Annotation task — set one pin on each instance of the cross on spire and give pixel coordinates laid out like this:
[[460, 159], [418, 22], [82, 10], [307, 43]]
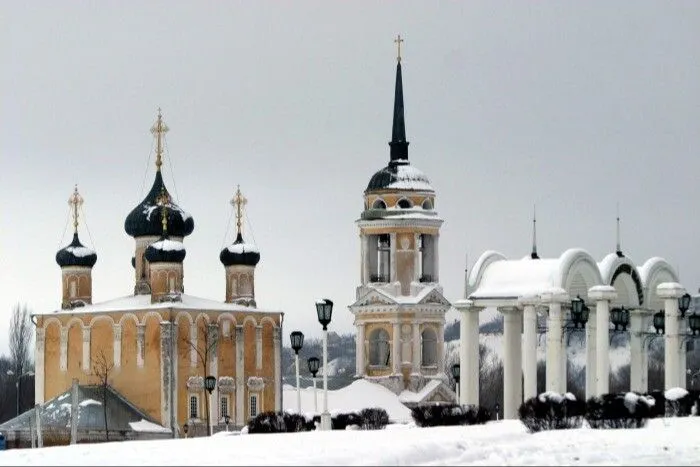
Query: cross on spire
[[398, 42], [159, 129], [163, 200], [239, 201], [75, 201]]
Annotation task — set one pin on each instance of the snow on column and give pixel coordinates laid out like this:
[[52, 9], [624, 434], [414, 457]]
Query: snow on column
[[529, 347], [512, 362], [396, 349], [240, 379], [638, 370], [591, 336], [39, 366], [360, 351], [556, 352], [670, 292], [602, 294]]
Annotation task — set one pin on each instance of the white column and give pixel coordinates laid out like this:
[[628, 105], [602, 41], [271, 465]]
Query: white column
[[39, 366], [86, 348], [416, 348], [392, 257], [360, 351], [669, 292], [365, 258], [63, 357], [591, 343], [140, 335], [416, 258], [117, 345], [436, 255], [555, 348], [258, 347], [468, 352], [529, 350], [441, 348], [602, 294], [396, 349], [165, 376], [276, 333], [637, 369], [682, 356], [512, 363], [240, 377]]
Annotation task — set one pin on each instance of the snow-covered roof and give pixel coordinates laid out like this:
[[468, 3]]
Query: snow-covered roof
[[243, 248], [168, 245], [399, 176], [143, 302], [516, 278], [410, 397]]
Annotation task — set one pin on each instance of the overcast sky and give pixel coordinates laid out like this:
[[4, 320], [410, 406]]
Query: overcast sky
[[572, 106]]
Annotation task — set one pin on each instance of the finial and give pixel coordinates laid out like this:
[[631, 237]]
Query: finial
[[534, 255], [163, 200], [618, 249], [398, 42], [159, 129], [75, 201], [238, 202]]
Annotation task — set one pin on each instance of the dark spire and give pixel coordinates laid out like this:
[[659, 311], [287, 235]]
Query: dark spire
[[534, 254], [618, 249], [398, 144]]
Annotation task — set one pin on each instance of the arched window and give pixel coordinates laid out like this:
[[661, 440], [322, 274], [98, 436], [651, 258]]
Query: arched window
[[428, 348], [379, 348], [379, 204], [427, 204], [404, 204]]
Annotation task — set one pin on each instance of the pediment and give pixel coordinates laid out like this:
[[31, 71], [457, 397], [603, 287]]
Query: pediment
[[374, 298], [435, 297]]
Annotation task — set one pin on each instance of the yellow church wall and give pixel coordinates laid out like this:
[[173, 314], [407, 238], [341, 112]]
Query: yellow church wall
[[53, 377], [249, 368], [75, 354], [184, 369], [101, 346], [151, 384], [268, 369]]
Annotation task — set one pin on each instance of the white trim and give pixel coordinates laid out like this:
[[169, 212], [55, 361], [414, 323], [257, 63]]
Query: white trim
[[39, 353], [226, 397], [86, 349], [258, 405], [117, 345], [258, 347]]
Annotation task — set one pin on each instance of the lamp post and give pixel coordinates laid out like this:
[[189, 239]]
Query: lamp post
[[313, 369], [209, 385], [297, 338], [455, 375], [17, 380], [186, 428], [227, 419], [684, 304], [324, 311]]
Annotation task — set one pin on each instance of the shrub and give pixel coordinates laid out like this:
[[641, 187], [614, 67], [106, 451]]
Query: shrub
[[621, 410], [343, 420], [295, 422], [374, 418], [681, 402], [426, 415], [552, 411], [267, 422]]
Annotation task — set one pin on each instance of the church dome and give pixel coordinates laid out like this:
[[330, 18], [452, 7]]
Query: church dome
[[76, 254], [399, 176], [165, 251], [142, 221], [240, 253]]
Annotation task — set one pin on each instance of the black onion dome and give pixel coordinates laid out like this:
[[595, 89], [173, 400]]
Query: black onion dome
[[240, 253], [76, 254], [401, 176], [144, 219], [165, 251]]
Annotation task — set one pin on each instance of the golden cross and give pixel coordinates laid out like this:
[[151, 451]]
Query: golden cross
[[398, 42], [163, 200], [75, 201], [239, 201], [159, 129]]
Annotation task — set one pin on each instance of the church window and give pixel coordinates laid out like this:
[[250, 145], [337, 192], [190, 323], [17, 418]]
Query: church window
[[379, 204], [427, 204], [194, 406], [73, 289], [428, 348], [404, 204], [379, 348], [172, 284], [384, 257], [253, 405], [224, 404]]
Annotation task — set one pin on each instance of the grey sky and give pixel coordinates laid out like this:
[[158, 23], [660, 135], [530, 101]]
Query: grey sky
[[574, 106]]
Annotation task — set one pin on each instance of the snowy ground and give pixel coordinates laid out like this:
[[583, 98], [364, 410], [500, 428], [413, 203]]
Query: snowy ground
[[498, 443]]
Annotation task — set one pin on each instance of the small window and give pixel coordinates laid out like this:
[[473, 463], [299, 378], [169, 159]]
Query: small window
[[253, 405], [73, 289], [427, 204], [194, 406], [223, 407], [404, 203], [428, 347], [172, 284], [379, 204], [379, 353]]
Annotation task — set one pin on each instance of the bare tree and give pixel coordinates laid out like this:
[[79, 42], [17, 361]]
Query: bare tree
[[102, 369], [204, 346], [20, 339]]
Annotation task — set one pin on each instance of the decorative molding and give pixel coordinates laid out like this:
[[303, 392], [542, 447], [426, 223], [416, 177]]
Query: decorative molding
[[195, 383], [256, 383], [227, 385]]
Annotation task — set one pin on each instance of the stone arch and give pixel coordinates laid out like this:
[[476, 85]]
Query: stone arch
[[621, 273], [101, 317], [150, 314], [248, 319], [379, 203], [101, 343], [477, 272], [653, 272], [75, 320], [267, 319], [578, 272], [127, 316], [49, 321], [379, 343], [184, 314]]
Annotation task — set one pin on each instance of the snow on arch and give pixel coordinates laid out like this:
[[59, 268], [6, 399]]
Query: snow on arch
[[578, 272], [477, 272], [653, 272], [149, 314], [226, 315], [267, 319], [74, 320], [101, 317], [49, 321], [186, 315], [250, 318], [126, 316], [612, 266]]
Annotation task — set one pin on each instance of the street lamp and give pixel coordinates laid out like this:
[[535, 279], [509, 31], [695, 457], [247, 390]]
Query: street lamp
[[313, 369], [694, 324], [17, 380], [209, 385], [227, 419], [455, 375], [579, 312], [186, 428], [684, 303], [324, 310], [297, 338], [620, 318], [660, 322]]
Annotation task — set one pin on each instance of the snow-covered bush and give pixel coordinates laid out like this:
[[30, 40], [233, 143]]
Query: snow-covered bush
[[448, 415], [375, 418], [552, 411], [680, 402], [279, 422], [621, 410]]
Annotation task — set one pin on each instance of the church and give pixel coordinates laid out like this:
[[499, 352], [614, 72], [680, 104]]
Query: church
[[400, 308], [159, 344]]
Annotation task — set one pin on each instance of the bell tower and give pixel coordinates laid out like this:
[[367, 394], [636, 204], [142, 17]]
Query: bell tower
[[399, 309]]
